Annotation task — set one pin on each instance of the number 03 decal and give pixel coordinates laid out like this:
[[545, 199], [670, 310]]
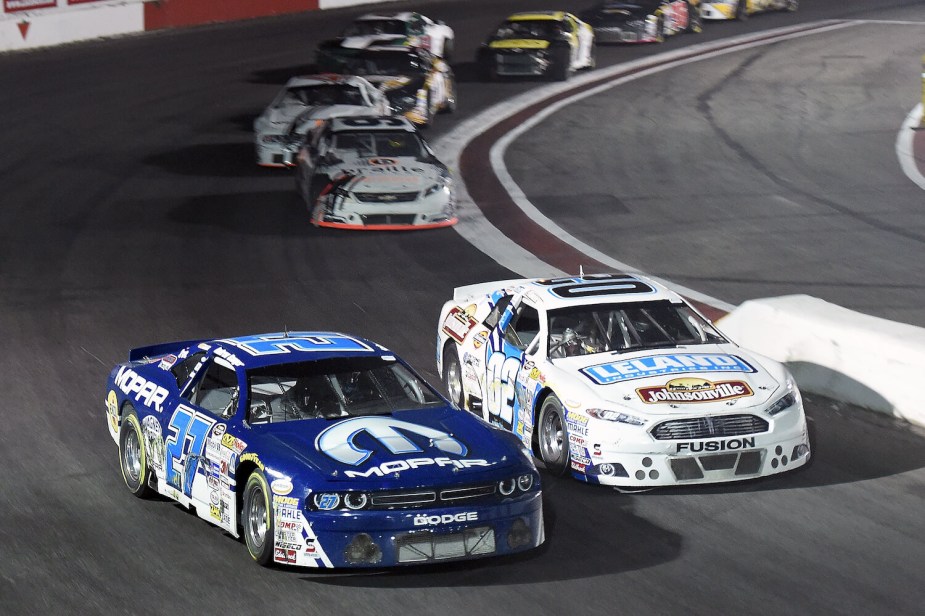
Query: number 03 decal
[[502, 375]]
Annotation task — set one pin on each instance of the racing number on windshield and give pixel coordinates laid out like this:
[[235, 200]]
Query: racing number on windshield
[[502, 376], [184, 447], [372, 122]]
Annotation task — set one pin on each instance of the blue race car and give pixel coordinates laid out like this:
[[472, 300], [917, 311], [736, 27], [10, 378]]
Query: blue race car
[[322, 450]]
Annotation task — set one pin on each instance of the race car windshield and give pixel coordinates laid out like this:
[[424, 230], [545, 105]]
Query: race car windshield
[[378, 143], [539, 29], [604, 328], [334, 388], [371, 27], [326, 94]]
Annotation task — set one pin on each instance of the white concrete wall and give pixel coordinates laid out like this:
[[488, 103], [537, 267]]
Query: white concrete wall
[[67, 24], [857, 358]]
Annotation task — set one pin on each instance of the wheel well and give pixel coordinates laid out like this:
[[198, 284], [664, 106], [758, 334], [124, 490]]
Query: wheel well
[[537, 405], [241, 475], [448, 347]]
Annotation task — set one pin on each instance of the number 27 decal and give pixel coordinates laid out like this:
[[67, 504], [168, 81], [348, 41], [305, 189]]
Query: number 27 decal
[[188, 430]]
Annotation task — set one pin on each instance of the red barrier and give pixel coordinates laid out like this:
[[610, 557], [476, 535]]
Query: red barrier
[[174, 13]]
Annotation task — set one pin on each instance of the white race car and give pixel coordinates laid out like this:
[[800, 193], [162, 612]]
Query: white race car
[[374, 173], [618, 380], [741, 9], [405, 28], [305, 102]]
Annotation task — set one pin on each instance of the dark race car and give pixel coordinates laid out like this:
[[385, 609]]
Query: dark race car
[[321, 450], [553, 44], [417, 83], [643, 21]]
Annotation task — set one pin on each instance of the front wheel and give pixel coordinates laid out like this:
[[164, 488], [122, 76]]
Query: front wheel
[[257, 519], [793, 5], [561, 68], [742, 10], [694, 19], [452, 376], [132, 456], [553, 436]]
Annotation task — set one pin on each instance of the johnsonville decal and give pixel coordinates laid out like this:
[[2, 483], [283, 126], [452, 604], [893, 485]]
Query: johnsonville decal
[[691, 390]]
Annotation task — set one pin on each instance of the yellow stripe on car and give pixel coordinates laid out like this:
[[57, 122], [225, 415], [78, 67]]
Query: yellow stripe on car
[[519, 44]]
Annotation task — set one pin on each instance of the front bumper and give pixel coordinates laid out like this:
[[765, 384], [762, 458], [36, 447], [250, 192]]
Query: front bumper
[[647, 463], [339, 212], [411, 537], [625, 34], [519, 63]]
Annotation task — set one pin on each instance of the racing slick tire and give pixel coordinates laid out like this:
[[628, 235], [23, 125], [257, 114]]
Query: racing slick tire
[[447, 50], [132, 457], [660, 30], [742, 10], [562, 65], [552, 436], [694, 19], [257, 522], [452, 376]]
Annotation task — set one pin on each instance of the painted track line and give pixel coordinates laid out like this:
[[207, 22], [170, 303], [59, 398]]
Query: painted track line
[[495, 215]]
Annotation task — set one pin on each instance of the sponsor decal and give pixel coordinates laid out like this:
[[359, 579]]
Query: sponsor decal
[[112, 410], [658, 365], [731, 444], [282, 555], [233, 443], [218, 429], [154, 442], [382, 161], [167, 362], [596, 450], [447, 518], [339, 441], [252, 457], [146, 392], [289, 525], [577, 418], [215, 512], [398, 466], [285, 501], [288, 513], [458, 324], [576, 439], [281, 486], [479, 339], [692, 390]]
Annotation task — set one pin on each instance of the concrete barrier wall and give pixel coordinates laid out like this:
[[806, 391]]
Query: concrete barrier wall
[[28, 24], [857, 358]]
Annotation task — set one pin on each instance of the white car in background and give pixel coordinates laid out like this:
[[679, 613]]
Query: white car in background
[[406, 28], [742, 9], [619, 381], [374, 173], [304, 103]]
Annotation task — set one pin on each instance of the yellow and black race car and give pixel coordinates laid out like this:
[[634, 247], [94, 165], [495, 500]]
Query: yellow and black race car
[[741, 9], [540, 43]]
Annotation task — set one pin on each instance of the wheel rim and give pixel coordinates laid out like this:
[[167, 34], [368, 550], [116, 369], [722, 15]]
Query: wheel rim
[[131, 456], [454, 382], [551, 438], [256, 519]]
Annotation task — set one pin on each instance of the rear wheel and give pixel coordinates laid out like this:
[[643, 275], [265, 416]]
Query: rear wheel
[[562, 65], [452, 376], [553, 436], [742, 10], [694, 19], [132, 456], [660, 30], [257, 518], [447, 50]]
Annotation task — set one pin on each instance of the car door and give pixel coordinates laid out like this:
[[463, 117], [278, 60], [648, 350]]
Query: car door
[[197, 437]]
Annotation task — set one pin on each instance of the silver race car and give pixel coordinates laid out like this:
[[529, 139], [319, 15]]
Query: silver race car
[[304, 103], [374, 173]]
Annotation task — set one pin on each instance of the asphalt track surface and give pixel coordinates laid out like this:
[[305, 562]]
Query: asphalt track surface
[[133, 214]]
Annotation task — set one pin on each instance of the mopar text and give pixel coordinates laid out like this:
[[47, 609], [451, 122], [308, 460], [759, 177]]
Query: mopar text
[[397, 466], [148, 393]]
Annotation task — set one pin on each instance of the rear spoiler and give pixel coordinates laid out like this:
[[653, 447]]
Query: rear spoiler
[[486, 288], [156, 350]]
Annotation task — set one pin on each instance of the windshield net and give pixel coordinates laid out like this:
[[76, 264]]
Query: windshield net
[[378, 143], [333, 388], [327, 94], [602, 328]]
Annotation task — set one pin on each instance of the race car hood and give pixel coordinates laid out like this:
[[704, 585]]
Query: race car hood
[[702, 378], [519, 44], [281, 118], [404, 449], [383, 174]]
